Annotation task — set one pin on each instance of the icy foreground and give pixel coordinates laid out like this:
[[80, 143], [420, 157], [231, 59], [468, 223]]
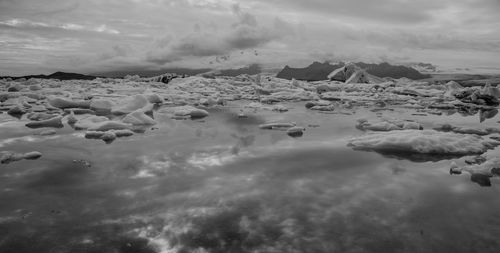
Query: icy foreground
[[246, 164], [112, 108]]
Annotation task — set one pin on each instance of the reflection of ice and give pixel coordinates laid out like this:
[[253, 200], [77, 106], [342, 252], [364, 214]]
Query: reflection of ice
[[330, 204], [8, 122], [209, 159], [38, 139], [151, 168], [143, 174], [180, 164], [9, 141], [7, 219], [272, 213]]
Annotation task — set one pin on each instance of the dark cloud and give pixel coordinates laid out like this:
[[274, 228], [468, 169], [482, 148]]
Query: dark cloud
[[116, 51], [248, 37], [209, 44]]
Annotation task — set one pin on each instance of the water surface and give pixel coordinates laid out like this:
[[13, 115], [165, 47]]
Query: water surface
[[221, 184]]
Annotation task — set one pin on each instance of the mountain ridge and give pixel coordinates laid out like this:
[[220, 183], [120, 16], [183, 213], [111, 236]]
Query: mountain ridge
[[319, 71], [59, 75]]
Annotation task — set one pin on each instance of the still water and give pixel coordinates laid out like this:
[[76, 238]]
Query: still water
[[221, 184]]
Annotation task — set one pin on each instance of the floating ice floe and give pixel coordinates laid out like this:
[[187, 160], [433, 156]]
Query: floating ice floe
[[461, 130], [295, 131], [71, 119], [129, 104], [485, 97], [428, 142], [89, 121], [280, 108], [52, 122], [8, 156], [109, 125], [277, 126], [154, 98], [387, 125], [101, 106], [467, 130], [108, 136], [480, 172], [40, 116], [63, 103], [291, 128], [320, 105], [491, 91], [184, 112], [138, 117]]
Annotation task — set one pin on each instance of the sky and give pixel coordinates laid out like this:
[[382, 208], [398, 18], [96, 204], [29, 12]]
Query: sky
[[91, 36]]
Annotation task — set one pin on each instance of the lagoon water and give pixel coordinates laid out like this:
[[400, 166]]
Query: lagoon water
[[221, 184]]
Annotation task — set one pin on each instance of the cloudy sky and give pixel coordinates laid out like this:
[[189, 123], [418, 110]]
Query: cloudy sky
[[43, 36]]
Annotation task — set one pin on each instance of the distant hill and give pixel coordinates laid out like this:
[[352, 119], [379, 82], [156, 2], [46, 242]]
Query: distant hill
[[319, 71], [70, 76], [251, 70], [152, 73], [56, 75]]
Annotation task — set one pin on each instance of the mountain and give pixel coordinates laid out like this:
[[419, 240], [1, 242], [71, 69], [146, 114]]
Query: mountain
[[56, 75], [252, 69], [319, 71], [387, 70], [315, 72], [70, 76]]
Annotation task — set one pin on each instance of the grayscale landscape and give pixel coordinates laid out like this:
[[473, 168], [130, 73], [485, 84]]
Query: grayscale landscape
[[211, 126]]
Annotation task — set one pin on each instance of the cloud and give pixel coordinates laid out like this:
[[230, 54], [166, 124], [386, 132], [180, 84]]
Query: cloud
[[400, 39], [190, 33], [245, 33], [386, 11], [244, 18]]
